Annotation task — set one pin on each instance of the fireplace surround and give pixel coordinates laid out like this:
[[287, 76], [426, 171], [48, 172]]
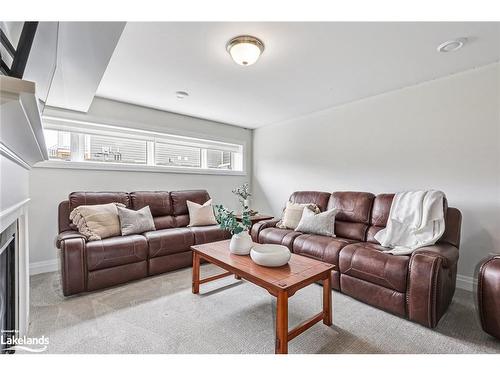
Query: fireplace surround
[[8, 282]]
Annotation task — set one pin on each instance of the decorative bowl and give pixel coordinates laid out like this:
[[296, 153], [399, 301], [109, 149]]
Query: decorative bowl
[[269, 255]]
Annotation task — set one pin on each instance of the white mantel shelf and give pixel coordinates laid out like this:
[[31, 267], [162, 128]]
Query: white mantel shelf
[[21, 131]]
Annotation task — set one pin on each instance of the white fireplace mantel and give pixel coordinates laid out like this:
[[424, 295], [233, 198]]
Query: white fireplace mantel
[[21, 135], [22, 145]]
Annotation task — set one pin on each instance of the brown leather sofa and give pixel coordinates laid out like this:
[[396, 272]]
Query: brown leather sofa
[[418, 287], [488, 295], [88, 266]]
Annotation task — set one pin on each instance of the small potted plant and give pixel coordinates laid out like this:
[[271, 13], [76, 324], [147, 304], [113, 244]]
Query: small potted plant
[[243, 194], [241, 242]]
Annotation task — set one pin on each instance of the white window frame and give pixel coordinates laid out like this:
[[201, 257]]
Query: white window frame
[[78, 129]]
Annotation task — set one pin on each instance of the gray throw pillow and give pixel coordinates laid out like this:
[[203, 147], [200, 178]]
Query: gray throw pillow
[[135, 222], [322, 223]]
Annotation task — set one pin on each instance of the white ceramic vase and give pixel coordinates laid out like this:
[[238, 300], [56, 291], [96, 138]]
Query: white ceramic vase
[[241, 243]]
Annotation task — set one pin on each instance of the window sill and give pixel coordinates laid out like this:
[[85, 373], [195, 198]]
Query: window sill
[[133, 168]]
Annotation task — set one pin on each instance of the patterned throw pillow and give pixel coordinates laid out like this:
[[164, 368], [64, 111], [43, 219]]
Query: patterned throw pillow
[[293, 214], [322, 223], [135, 222], [200, 215], [97, 221]]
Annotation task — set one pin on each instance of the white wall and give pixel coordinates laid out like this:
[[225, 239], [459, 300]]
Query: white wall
[[442, 134], [49, 186], [14, 183]]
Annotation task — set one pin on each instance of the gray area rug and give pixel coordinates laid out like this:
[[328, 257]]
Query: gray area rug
[[161, 315]]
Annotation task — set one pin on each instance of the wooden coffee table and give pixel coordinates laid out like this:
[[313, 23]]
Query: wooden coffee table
[[282, 282]]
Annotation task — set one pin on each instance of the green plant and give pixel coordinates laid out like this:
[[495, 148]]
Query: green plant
[[242, 192], [227, 219]]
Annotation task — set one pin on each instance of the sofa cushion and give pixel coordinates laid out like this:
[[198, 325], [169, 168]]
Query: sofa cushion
[[116, 251], [169, 241], [293, 214], [380, 214], [353, 218], [322, 223], [319, 247], [135, 222], [278, 236], [97, 221], [201, 214], [209, 233], [320, 198], [158, 201], [368, 262], [87, 198], [179, 199]]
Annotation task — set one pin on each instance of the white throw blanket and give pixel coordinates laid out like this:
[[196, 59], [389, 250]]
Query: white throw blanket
[[416, 219]]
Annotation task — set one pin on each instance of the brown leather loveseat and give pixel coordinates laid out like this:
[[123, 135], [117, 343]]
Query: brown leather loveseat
[[419, 287], [88, 266]]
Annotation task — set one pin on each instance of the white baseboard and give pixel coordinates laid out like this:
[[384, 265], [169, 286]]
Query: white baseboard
[[466, 283], [44, 266]]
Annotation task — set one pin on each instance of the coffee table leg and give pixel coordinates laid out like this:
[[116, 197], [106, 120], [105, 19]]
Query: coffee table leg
[[282, 323], [196, 273], [327, 300]]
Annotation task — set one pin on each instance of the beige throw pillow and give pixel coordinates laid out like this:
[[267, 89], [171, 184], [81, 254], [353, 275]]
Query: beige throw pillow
[[322, 223], [293, 214], [200, 215], [97, 221]]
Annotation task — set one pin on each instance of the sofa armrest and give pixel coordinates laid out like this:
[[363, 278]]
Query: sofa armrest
[[431, 283], [66, 235], [257, 227], [73, 266], [448, 253]]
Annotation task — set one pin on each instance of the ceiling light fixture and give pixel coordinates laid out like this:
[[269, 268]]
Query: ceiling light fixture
[[245, 49], [181, 94], [452, 45]]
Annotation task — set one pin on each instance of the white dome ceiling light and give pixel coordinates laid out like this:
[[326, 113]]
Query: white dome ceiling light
[[181, 94], [452, 45], [245, 49]]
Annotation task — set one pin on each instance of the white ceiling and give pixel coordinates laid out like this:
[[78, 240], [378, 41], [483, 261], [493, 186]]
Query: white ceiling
[[305, 67]]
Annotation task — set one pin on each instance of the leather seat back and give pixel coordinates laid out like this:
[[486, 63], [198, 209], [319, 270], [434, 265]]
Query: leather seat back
[[353, 219], [319, 198], [179, 205], [159, 203], [81, 198], [380, 214]]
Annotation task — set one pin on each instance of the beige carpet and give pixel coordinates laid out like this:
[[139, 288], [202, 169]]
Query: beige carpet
[[161, 315]]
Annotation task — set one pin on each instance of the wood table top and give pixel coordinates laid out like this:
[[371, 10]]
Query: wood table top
[[256, 217], [299, 272]]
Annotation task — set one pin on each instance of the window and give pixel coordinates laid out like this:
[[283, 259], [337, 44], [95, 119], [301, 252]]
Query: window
[[58, 144], [219, 159], [175, 155], [116, 150], [85, 144]]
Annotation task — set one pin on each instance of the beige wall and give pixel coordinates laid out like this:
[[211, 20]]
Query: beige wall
[[442, 134], [49, 186]]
